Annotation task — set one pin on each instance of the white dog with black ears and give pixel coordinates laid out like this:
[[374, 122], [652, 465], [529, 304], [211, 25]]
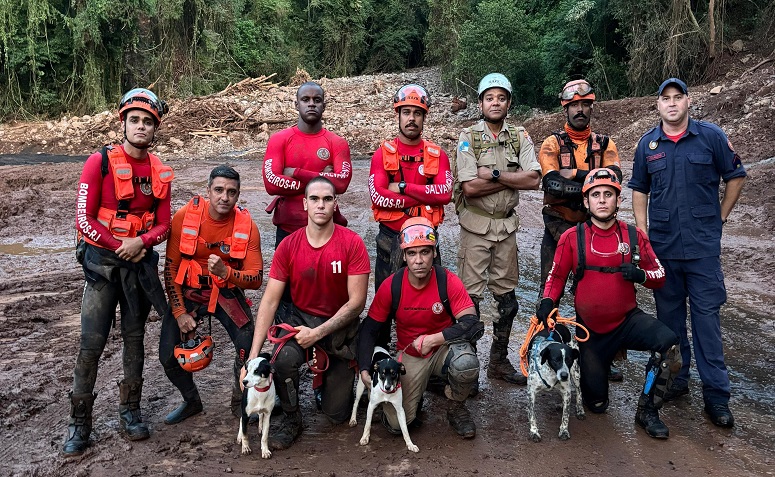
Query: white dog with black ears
[[385, 387], [257, 398]]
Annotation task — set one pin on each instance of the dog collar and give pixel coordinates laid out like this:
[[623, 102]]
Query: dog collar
[[394, 389], [265, 388]]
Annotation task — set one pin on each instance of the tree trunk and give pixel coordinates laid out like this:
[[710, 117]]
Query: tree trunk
[[712, 28]]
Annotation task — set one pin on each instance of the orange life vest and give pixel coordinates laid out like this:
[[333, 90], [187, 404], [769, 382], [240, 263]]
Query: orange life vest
[[190, 273], [120, 222], [391, 162]]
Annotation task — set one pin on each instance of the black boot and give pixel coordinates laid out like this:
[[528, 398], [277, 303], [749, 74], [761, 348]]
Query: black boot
[[191, 405], [647, 417], [132, 425], [79, 426], [500, 367], [460, 419], [290, 429]]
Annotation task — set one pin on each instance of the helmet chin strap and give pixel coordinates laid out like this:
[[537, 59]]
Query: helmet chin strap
[[606, 219]]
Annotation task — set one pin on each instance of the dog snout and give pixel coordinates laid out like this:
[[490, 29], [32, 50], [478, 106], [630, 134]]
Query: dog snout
[[245, 382], [563, 376]]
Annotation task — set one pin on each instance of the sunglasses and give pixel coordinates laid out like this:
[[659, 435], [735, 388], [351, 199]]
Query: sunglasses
[[581, 89]]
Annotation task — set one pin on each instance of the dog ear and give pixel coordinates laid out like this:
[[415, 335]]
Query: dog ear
[[575, 353], [266, 356], [403, 368], [544, 355]]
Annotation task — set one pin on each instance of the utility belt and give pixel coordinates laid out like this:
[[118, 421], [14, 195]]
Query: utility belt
[[483, 213], [231, 300]]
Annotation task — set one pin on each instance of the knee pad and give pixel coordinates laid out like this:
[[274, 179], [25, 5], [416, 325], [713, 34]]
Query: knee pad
[[463, 367], [661, 370], [508, 307]]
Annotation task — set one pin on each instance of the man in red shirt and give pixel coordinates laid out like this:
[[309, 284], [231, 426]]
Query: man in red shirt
[[122, 211], [296, 155], [435, 330], [213, 253], [409, 177], [326, 266], [612, 262]]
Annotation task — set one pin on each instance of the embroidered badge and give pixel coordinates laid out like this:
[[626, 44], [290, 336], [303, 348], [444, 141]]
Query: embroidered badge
[[323, 153], [653, 145], [421, 169], [464, 146], [225, 248], [729, 143], [624, 249], [437, 308], [656, 156], [527, 136], [146, 188]]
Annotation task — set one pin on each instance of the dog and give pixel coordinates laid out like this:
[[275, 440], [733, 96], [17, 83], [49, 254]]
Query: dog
[[258, 397], [553, 364], [385, 387]]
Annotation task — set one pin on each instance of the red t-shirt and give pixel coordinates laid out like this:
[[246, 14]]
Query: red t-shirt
[[95, 191], [418, 192], [602, 299], [420, 311], [318, 276], [309, 154]]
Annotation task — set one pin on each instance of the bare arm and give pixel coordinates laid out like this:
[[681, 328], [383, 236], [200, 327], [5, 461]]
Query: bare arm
[[640, 202], [731, 194]]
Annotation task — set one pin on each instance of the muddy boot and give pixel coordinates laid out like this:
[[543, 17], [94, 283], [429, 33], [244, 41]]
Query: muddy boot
[[79, 426], [460, 419], [191, 405], [647, 417], [288, 432], [500, 367], [132, 426], [615, 374]]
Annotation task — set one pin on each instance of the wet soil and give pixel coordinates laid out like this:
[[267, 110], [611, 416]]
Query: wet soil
[[40, 287]]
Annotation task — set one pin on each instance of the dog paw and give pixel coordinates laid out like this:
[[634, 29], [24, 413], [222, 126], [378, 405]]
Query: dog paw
[[581, 416], [246, 449], [536, 437], [364, 441], [413, 448], [353, 422], [266, 453], [564, 435]]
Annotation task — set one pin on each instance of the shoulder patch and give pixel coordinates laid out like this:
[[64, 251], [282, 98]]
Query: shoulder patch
[[729, 143], [527, 137], [464, 146]]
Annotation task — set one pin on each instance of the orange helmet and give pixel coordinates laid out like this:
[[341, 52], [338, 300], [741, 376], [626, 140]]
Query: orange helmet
[[417, 232], [141, 98], [601, 177], [195, 354], [576, 90], [412, 95]]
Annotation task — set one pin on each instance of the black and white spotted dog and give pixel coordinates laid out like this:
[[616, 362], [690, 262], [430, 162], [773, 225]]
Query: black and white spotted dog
[[257, 398], [553, 364], [385, 387]]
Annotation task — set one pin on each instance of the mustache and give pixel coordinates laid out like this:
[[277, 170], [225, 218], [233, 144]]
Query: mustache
[[580, 115]]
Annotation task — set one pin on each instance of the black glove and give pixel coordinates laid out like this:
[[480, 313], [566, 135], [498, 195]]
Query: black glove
[[544, 310], [633, 274]]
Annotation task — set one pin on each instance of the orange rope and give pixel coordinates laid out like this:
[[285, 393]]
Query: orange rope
[[536, 326]]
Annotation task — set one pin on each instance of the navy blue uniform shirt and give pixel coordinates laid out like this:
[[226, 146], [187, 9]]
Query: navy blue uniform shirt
[[683, 179]]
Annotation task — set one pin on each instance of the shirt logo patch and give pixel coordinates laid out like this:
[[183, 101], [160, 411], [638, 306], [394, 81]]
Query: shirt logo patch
[[225, 248], [146, 188], [421, 169], [653, 145], [323, 154], [655, 157], [464, 146], [437, 308]]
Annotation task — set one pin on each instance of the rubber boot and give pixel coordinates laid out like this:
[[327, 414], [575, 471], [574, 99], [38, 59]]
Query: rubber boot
[[647, 417], [132, 426], [460, 419], [289, 430], [191, 406], [79, 425], [500, 367]]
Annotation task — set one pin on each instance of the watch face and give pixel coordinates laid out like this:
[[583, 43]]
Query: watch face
[[496, 173]]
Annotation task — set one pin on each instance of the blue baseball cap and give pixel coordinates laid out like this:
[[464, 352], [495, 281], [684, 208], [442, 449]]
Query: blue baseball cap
[[673, 81]]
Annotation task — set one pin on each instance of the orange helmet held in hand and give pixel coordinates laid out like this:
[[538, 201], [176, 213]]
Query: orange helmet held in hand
[[195, 354], [601, 177], [412, 95], [417, 232], [576, 90]]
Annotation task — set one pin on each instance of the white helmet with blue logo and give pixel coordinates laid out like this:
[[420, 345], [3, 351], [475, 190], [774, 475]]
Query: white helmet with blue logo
[[494, 80]]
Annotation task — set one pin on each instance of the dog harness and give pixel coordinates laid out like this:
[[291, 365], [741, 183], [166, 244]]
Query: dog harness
[[534, 355]]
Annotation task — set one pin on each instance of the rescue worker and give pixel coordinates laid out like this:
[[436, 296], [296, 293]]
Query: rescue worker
[[675, 175], [123, 210], [604, 253], [436, 328], [495, 160], [296, 155], [213, 254], [327, 268], [566, 157], [409, 177]]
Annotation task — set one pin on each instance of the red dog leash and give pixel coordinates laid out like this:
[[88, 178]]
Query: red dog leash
[[319, 362]]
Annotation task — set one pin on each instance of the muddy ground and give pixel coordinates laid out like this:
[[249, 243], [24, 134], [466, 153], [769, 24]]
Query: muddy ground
[[40, 287]]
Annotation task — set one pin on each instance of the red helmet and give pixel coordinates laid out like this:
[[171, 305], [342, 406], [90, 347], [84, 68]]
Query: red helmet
[[576, 90], [417, 232], [141, 98], [601, 177], [412, 95], [195, 354]]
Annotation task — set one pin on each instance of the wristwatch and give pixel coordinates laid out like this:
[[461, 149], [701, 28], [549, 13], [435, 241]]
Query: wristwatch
[[496, 174], [402, 187]]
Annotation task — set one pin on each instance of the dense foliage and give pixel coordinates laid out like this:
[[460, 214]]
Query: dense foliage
[[79, 55]]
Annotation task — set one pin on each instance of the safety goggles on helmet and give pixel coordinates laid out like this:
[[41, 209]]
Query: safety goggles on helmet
[[195, 354], [601, 177], [417, 232], [412, 95], [141, 98], [577, 90]]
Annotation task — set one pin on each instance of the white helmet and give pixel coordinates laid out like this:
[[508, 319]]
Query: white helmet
[[494, 80]]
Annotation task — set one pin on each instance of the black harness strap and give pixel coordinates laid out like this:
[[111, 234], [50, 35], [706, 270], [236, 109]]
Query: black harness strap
[[578, 274]]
